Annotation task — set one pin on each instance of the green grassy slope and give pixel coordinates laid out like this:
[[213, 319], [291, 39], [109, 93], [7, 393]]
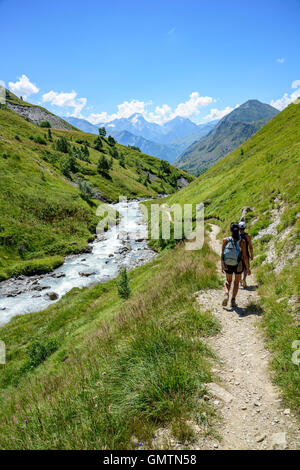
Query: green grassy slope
[[264, 174], [95, 372], [41, 209]]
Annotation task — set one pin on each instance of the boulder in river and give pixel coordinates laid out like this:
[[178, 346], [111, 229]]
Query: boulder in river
[[82, 274], [52, 295], [41, 287], [58, 275], [87, 249]]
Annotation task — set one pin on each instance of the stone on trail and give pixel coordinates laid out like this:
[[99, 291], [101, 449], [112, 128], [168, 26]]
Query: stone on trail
[[278, 441], [219, 392]]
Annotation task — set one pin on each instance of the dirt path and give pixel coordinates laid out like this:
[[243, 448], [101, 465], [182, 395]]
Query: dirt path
[[250, 405]]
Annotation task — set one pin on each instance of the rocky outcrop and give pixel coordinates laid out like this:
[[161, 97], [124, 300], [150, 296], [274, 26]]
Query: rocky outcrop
[[38, 115]]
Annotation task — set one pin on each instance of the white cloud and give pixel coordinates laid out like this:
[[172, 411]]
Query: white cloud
[[160, 115], [217, 113], [193, 105], [285, 100], [280, 60], [125, 110], [296, 84], [69, 100], [23, 87]]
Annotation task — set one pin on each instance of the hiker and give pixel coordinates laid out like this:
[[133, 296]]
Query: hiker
[[245, 236], [233, 261]]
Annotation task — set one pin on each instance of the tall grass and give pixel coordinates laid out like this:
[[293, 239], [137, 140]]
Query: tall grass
[[142, 367]]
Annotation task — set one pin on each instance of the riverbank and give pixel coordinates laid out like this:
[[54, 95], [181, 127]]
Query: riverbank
[[100, 262]]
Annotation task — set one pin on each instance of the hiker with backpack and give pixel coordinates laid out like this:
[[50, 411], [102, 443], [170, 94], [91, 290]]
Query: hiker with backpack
[[233, 261], [249, 247]]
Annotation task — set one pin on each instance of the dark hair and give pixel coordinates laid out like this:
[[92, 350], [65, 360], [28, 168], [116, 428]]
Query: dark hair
[[235, 230]]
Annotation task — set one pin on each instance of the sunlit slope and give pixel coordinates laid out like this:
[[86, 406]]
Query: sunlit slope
[[264, 174], [43, 213]]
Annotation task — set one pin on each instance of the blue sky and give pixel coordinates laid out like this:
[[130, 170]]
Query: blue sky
[[193, 58]]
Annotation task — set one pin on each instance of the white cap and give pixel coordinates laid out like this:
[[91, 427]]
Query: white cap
[[242, 225]]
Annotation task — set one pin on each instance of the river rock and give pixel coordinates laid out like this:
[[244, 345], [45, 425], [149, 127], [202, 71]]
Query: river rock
[[14, 293], [111, 255], [58, 275], [52, 295], [82, 274], [39, 288], [87, 249]]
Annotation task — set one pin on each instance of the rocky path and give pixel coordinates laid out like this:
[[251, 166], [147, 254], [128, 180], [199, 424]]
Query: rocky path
[[253, 416]]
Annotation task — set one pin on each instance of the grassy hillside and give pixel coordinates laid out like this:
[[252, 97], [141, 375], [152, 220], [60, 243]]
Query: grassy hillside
[[231, 131], [264, 175], [95, 372], [44, 214]]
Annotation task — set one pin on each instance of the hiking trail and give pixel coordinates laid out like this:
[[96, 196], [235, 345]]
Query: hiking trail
[[253, 416]]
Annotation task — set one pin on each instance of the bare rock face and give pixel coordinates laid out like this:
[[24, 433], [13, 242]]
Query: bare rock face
[[38, 115], [245, 211], [182, 182]]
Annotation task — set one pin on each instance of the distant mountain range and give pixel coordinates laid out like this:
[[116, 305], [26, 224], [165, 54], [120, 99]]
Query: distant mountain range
[[166, 141], [230, 132]]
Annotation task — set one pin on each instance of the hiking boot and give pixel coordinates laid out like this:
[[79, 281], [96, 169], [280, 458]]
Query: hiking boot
[[225, 300], [244, 284], [233, 303]]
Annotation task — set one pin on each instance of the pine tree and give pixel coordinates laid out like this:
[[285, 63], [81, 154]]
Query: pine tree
[[111, 140], [49, 135], [98, 144], [62, 145], [102, 131], [102, 165], [122, 160], [123, 284]]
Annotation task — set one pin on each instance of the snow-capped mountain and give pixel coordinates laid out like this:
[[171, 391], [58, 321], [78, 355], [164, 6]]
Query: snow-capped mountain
[[162, 134]]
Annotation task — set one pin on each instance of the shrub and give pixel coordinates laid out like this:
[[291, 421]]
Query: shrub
[[39, 140], [98, 144], [45, 124], [38, 351], [123, 284], [122, 160], [62, 145], [111, 140], [86, 189], [102, 165]]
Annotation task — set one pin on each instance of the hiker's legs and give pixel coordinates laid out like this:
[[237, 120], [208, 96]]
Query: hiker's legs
[[235, 289], [228, 283], [227, 289]]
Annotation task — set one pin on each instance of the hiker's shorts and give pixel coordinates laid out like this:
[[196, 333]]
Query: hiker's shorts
[[238, 269]]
